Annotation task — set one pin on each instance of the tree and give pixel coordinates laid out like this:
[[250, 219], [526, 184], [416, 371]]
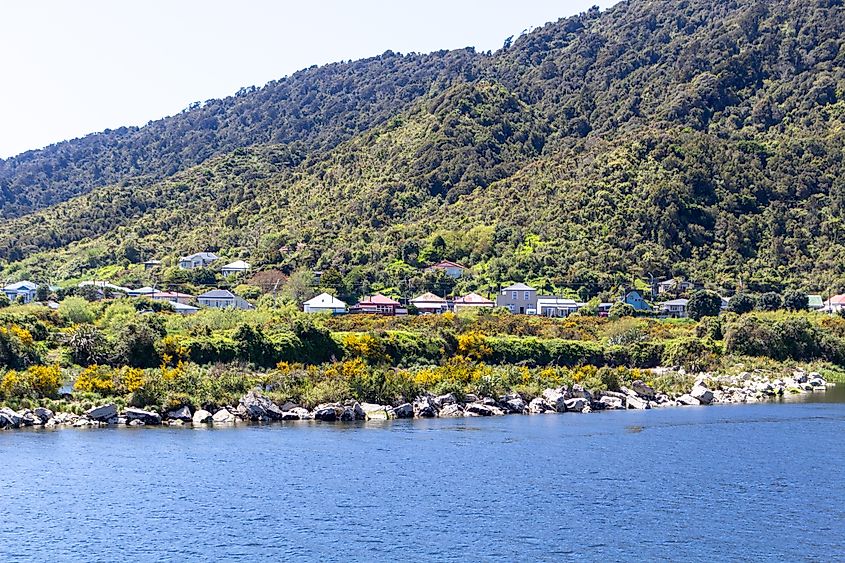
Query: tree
[[87, 345], [621, 309], [137, 346], [769, 301], [42, 293], [741, 303], [76, 310], [704, 303], [300, 287], [794, 300], [4, 301]]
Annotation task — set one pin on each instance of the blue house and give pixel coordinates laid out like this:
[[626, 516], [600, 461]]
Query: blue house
[[23, 289], [635, 300]]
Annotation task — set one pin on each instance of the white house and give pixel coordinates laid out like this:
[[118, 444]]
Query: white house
[[183, 309], [675, 285], [675, 308], [452, 269], [325, 303], [222, 299], [237, 267], [141, 292], [23, 289], [430, 303], [550, 306], [198, 260], [472, 301]]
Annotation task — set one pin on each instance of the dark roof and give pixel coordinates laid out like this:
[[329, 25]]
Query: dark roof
[[217, 294]]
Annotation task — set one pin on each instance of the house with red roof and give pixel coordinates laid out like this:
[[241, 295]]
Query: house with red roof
[[471, 301], [378, 304], [430, 303]]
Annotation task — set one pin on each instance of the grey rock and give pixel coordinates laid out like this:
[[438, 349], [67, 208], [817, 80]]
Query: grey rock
[[703, 394], [404, 410], [256, 406], [102, 413], [576, 404], [643, 390], [9, 418], [452, 410], [634, 402], [359, 411], [328, 412], [470, 398], [376, 412], [202, 416], [301, 412], [539, 405], [43, 413], [183, 413], [424, 407], [611, 402], [136, 422], [515, 405], [223, 416], [148, 417], [688, 400], [556, 398], [442, 400], [578, 391]]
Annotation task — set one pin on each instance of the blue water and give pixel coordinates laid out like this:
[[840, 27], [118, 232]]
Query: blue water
[[756, 482]]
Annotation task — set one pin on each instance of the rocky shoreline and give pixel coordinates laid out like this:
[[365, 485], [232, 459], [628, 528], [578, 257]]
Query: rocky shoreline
[[255, 407]]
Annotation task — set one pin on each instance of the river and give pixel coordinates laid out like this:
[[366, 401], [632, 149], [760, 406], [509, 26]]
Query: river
[[749, 482]]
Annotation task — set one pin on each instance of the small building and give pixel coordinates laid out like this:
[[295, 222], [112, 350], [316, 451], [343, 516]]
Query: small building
[[452, 269], [171, 297], [429, 303], [105, 287], [25, 290], [325, 303], [835, 304], [675, 285], [676, 308], [518, 298], [815, 302], [183, 309], [551, 306], [636, 300], [472, 301], [150, 264], [223, 299], [378, 304], [603, 309], [141, 292], [235, 268], [198, 260]]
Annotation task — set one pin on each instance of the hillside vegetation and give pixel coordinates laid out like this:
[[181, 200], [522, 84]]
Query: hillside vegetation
[[702, 139]]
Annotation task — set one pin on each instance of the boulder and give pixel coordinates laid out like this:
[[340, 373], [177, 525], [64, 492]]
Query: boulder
[[359, 412], [556, 398], [688, 400], [223, 416], [102, 413], [375, 412], [136, 422], [481, 409], [643, 390], [634, 402], [328, 412], [302, 412], [539, 405], [579, 392], [405, 410], [183, 413], [9, 418], [292, 414], [452, 410], [348, 414], [288, 406], [702, 393], [259, 407], [43, 414], [442, 400], [202, 416], [424, 407], [576, 404], [28, 418], [611, 402], [148, 417], [514, 405], [470, 398]]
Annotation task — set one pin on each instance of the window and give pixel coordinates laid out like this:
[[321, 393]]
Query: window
[[526, 296], [514, 295]]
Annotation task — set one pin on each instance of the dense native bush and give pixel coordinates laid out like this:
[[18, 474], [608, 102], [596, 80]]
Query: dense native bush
[[18, 348]]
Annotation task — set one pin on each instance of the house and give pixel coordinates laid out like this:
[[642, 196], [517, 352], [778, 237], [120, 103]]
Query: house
[[430, 303], [635, 300], [518, 298], [235, 268], [378, 304], [222, 299], [675, 286], [141, 292], [104, 285], [603, 309], [725, 302], [325, 303], [551, 306], [452, 269], [171, 296], [676, 308], [835, 303], [183, 309], [150, 264], [815, 302], [472, 301], [23, 290], [198, 260]]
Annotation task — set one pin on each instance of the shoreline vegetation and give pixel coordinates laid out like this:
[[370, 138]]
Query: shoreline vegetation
[[116, 362]]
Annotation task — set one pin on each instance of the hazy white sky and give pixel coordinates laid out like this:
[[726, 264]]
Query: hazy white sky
[[75, 67]]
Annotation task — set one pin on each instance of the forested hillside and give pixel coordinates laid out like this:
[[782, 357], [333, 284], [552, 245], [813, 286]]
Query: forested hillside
[[695, 138]]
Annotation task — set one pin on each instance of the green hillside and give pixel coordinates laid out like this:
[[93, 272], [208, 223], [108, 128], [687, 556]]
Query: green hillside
[[702, 139]]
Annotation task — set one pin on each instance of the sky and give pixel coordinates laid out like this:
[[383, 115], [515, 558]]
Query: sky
[[72, 67]]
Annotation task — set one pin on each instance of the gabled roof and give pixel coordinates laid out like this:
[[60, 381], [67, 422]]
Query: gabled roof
[[378, 299], [448, 264], [28, 285], [237, 265], [518, 287], [838, 299], [557, 301], [142, 291], [181, 307], [325, 300], [681, 302], [217, 294], [815, 301], [170, 295], [473, 299], [428, 297], [206, 256]]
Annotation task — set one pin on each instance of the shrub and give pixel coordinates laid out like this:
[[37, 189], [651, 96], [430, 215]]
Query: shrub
[[86, 345], [620, 309], [76, 310], [795, 301], [704, 303], [17, 347], [769, 301], [137, 345], [741, 303], [37, 382], [692, 354]]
